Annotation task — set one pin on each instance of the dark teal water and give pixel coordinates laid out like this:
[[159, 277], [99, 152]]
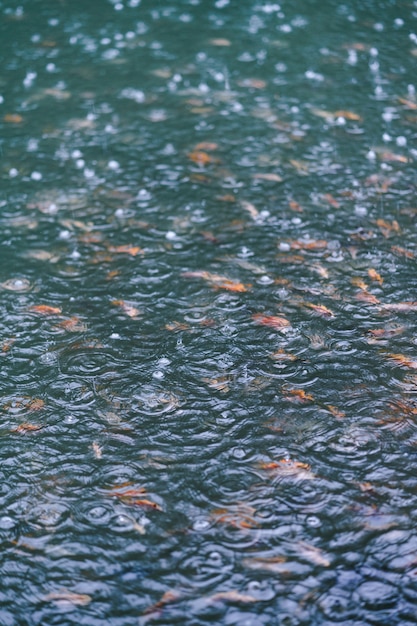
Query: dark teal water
[[208, 303]]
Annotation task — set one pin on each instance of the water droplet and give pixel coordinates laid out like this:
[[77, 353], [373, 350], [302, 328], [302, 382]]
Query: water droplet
[[36, 176]]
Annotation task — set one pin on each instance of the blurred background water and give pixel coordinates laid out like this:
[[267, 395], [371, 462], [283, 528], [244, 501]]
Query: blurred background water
[[208, 349]]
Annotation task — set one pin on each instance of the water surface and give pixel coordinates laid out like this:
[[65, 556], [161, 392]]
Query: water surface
[[208, 313]]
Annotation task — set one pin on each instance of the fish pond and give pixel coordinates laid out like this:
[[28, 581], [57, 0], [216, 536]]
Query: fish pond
[[208, 312]]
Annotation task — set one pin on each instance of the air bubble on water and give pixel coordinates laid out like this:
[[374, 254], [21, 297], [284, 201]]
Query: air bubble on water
[[118, 7], [401, 141], [164, 362], [398, 22], [75, 255], [280, 67], [143, 194], [13, 172], [29, 78], [115, 336], [70, 419], [110, 54], [352, 57], [89, 173], [270, 8], [314, 76], [371, 155], [51, 67], [245, 252], [388, 115], [113, 165], [158, 375], [386, 137], [64, 235], [53, 21], [283, 246], [361, 211], [200, 524], [79, 164], [6, 522], [215, 557], [313, 521], [36, 176], [265, 280], [263, 214], [48, 358], [296, 221], [228, 330], [170, 235], [335, 257], [246, 57]]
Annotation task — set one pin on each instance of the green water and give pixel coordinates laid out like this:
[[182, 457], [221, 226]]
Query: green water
[[208, 303]]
